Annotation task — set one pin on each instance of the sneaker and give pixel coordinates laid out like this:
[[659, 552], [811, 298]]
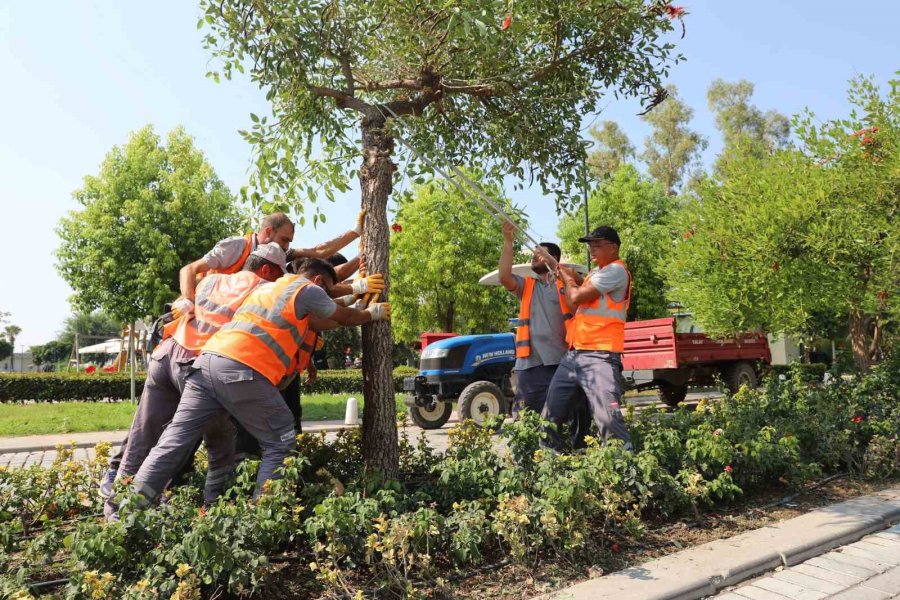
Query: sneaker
[[106, 484]]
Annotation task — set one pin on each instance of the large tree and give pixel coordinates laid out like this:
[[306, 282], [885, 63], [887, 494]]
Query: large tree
[[152, 208], [639, 209], [612, 149], [440, 248], [473, 82], [672, 147], [741, 122], [785, 242]]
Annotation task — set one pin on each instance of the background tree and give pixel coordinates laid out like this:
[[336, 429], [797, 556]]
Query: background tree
[[483, 83], [151, 209], [442, 245], [639, 209], [672, 147], [6, 349], [613, 149], [50, 353], [93, 326], [10, 332], [743, 123], [783, 242]]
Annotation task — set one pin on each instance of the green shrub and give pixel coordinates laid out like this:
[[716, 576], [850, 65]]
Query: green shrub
[[99, 387], [808, 373]]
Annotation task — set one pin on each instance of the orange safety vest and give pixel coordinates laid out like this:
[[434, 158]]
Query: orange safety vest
[[523, 329], [306, 350], [218, 298], [600, 325], [237, 266], [265, 333]]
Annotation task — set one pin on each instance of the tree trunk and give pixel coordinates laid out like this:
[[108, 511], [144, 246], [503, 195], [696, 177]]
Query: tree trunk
[[859, 339], [380, 448], [448, 319]]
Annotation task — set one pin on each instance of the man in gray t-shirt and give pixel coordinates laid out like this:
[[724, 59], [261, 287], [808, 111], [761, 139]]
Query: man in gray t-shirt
[[541, 341]]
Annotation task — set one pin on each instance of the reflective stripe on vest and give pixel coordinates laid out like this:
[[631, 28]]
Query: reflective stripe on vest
[[600, 324], [218, 298], [265, 333], [237, 266], [523, 330]]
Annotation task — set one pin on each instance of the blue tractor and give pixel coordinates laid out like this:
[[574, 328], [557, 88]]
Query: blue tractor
[[474, 371]]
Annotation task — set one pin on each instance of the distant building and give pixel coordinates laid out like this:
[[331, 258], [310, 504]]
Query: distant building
[[19, 362]]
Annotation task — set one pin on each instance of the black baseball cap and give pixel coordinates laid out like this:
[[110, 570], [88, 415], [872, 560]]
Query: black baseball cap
[[604, 232]]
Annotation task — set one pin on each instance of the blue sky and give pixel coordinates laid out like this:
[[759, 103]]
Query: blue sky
[[78, 76]]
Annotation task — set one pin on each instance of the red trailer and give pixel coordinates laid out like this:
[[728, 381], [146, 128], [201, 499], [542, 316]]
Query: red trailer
[[657, 356]]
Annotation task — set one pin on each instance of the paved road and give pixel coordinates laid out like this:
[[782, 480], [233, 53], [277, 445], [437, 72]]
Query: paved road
[[865, 570]]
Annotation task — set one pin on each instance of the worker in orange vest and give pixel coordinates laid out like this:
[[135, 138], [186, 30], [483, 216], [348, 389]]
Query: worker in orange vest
[[228, 255], [596, 340], [541, 328], [241, 366], [218, 298]]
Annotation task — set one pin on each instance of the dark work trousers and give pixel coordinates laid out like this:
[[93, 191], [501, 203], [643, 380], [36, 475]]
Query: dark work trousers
[[598, 375], [215, 387], [169, 363], [247, 444], [532, 386]]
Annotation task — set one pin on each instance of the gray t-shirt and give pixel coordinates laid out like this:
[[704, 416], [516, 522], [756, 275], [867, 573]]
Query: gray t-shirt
[[228, 251], [313, 300], [611, 279], [547, 326]]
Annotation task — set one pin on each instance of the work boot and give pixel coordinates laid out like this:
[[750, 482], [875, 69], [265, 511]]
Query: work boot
[[106, 483]]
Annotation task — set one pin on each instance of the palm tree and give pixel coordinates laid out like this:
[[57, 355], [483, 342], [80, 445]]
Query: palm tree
[[11, 332]]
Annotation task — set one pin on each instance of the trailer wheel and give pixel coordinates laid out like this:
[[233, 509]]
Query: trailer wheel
[[738, 374], [672, 394], [481, 400], [431, 418]]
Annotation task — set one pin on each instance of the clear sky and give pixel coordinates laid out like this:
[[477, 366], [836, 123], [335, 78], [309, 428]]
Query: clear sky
[[77, 77]]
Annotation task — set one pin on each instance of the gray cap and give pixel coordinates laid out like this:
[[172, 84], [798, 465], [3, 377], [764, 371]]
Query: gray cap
[[272, 252]]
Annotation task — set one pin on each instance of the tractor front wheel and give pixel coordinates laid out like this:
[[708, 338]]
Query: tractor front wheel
[[432, 417], [480, 401]]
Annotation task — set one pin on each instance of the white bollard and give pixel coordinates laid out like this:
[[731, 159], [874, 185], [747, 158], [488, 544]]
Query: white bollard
[[351, 415]]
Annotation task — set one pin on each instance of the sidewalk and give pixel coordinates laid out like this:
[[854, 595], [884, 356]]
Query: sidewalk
[[868, 569]]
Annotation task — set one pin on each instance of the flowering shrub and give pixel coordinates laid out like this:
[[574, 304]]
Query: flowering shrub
[[486, 497]]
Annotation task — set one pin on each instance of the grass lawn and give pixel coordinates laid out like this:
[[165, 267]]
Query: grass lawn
[[77, 417]]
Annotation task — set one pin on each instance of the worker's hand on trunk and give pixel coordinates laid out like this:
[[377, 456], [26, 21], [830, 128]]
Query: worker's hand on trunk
[[311, 373], [360, 219], [182, 306], [371, 284], [380, 311]]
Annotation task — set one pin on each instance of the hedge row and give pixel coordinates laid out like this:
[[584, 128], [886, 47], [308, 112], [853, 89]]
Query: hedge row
[[96, 387]]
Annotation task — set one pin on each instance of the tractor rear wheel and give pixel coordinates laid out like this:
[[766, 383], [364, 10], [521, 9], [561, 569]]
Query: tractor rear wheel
[[672, 394], [480, 401], [738, 374], [433, 417]]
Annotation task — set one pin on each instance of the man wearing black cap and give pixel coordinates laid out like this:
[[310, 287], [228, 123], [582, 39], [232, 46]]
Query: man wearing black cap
[[596, 340]]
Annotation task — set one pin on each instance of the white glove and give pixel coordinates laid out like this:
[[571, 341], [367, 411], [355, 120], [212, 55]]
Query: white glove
[[372, 283], [347, 300], [182, 306], [379, 311], [360, 219]]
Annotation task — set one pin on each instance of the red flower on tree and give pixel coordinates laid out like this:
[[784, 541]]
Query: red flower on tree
[[506, 23], [729, 469], [775, 266], [674, 12], [396, 228], [857, 419], [615, 548]]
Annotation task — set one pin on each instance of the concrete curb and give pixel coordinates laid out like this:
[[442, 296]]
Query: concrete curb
[[706, 569]]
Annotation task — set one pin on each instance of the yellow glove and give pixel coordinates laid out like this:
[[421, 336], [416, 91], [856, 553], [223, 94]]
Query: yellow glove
[[183, 306], [371, 284], [360, 219], [380, 311]]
